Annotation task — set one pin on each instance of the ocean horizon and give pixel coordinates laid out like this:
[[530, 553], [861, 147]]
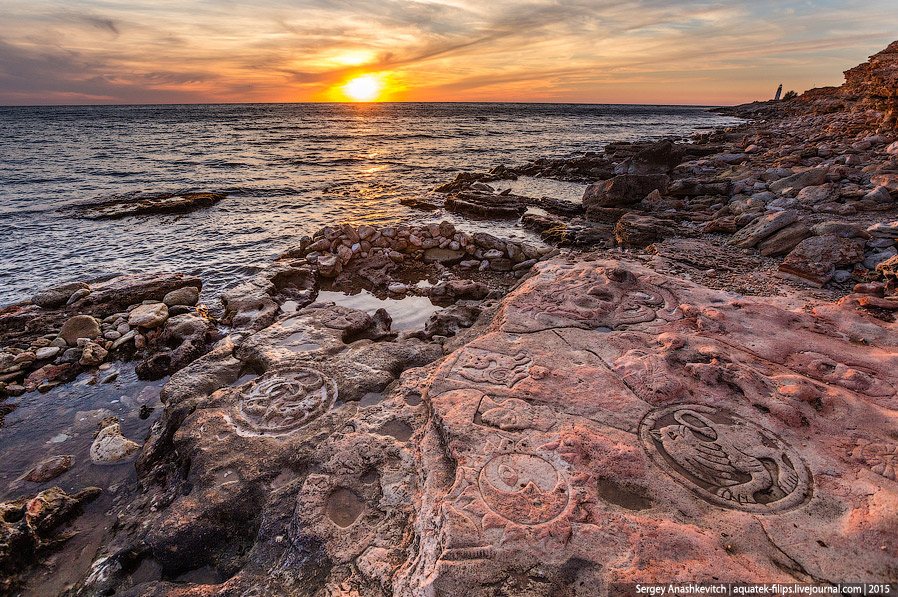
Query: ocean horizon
[[288, 169]]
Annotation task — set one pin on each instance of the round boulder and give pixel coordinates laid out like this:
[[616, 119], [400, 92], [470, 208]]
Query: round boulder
[[148, 316], [187, 296], [79, 326]]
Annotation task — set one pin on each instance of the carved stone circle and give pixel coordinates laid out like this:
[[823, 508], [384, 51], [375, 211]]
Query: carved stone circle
[[283, 401], [725, 459], [523, 488]]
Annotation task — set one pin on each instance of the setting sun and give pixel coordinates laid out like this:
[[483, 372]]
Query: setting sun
[[363, 89]]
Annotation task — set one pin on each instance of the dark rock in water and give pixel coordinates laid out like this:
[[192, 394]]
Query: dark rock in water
[[28, 530], [164, 203], [184, 339], [623, 190], [419, 204], [57, 296], [487, 205], [49, 469], [117, 294]]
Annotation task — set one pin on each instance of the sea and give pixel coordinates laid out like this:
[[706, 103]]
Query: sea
[[288, 169]]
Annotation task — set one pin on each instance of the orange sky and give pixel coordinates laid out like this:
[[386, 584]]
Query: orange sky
[[602, 51]]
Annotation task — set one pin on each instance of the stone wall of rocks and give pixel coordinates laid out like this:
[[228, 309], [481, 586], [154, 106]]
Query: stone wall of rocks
[[334, 247]]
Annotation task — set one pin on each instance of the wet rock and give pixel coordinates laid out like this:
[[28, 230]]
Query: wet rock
[[487, 205], [92, 355], [187, 296], [162, 203], [762, 228], [815, 259], [117, 294], [623, 190], [148, 316], [29, 530], [329, 266], [444, 256], [80, 326], [47, 373], [183, 339], [57, 296], [49, 468], [111, 447], [421, 204], [255, 304]]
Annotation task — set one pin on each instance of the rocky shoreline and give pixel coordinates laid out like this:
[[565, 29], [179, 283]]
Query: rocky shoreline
[[693, 379]]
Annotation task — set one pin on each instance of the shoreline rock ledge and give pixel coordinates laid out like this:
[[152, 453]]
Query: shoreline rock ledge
[[602, 424]]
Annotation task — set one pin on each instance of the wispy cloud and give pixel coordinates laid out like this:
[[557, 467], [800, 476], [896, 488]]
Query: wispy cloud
[[650, 51]]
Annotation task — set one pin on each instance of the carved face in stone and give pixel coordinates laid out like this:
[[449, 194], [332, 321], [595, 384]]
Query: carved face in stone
[[524, 489], [280, 402], [606, 297], [852, 377]]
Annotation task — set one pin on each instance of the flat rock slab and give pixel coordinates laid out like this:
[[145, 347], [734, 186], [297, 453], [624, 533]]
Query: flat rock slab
[[609, 425], [163, 203]]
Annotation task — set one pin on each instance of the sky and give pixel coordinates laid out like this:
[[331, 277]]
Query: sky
[[590, 51]]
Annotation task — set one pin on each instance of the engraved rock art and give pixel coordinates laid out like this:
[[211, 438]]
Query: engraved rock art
[[853, 377], [881, 458], [514, 415], [589, 298], [725, 459], [280, 402], [491, 368], [647, 375], [523, 488]]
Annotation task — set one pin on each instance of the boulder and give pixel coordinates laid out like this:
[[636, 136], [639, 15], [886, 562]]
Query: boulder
[[843, 229], [92, 354], [444, 256], [796, 182], [659, 158], [49, 468], [111, 447], [762, 228], [117, 294], [639, 231], [623, 190], [148, 316], [815, 259], [79, 326], [818, 194], [783, 241], [329, 265], [694, 187], [57, 296], [188, 296]]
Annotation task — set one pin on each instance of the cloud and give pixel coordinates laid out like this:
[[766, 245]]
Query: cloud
[[650, 51]]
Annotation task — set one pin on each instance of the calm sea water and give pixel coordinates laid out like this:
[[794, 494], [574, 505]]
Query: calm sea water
[[288, 169]]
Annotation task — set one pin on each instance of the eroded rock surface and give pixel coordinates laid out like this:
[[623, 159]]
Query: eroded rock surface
[[609, 424]]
